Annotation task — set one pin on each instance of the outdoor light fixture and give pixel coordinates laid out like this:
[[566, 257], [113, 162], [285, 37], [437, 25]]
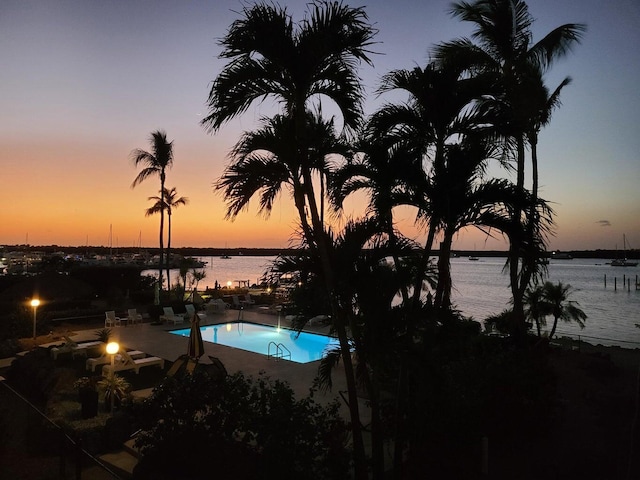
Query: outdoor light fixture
[[34, 303], [112, 349]]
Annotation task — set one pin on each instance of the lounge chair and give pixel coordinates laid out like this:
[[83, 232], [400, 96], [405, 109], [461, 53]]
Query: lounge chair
[[105, 359], [128, 363], [169, 316], [216, 306], [248, 301], [191, 311], [133, 316], [110, 319], [69, 346], [66, 347], [236, 303]]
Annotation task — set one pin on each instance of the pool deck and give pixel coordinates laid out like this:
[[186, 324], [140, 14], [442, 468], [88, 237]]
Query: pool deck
[[156, 341]]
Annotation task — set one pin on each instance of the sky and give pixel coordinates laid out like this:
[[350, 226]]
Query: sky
[[84, 82]]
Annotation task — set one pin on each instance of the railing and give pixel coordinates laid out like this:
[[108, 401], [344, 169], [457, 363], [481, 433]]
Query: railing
[[43, 444], [279, 351]]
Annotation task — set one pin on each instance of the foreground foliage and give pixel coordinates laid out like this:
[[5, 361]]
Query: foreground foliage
[[240, 428]]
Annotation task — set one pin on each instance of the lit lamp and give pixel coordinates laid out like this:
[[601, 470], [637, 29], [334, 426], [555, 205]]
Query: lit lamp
[[34, 303], [229, 284], [112, 349]]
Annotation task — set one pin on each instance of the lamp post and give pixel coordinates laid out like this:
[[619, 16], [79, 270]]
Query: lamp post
[[34, 303], [112, 349]]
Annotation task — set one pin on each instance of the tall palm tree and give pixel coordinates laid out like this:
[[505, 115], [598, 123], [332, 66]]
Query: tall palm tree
[[437, 109], [504, 48], [155, 163], [384, 170], [271, 56], [369, 284], [167, 201]]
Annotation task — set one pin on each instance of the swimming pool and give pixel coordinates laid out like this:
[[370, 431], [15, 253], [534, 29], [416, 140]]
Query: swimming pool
[[268, 340]]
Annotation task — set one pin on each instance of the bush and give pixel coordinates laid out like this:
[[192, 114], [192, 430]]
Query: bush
[[9, 347], [33, 374], [241, 427]]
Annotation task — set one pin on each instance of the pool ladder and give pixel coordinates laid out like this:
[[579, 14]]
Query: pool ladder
[[279, 351]]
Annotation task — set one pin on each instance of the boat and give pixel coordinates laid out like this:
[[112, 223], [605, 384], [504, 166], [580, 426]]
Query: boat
[[473, 258], [624, 262], [225, 257]]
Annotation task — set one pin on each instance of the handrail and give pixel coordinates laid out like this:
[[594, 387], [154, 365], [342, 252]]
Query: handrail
[[280, 345], [279, 351]]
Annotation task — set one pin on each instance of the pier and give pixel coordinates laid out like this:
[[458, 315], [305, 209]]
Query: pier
[[626, 283]]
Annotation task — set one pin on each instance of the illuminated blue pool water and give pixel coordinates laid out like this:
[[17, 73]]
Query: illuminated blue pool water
[[304, 347]]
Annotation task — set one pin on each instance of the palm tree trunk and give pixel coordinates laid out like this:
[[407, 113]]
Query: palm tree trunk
[[514, 249], [553, 329], [160, 262], [340, 324], [422, 266], [443, 289], [169, 251]]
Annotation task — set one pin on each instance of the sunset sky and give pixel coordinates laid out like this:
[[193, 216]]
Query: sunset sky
[[84, 82]]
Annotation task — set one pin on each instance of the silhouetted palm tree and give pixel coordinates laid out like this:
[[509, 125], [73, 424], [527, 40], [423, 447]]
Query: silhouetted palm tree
[[155, 163], [271, 56], [385, 171], [557, 304], [504, 48], [437, 109], [168, 202], [535, 307]]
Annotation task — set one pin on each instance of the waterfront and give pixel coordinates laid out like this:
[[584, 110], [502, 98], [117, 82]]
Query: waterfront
[[481, 288]]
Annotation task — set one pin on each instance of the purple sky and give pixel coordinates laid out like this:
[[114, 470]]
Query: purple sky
[[84, 82]]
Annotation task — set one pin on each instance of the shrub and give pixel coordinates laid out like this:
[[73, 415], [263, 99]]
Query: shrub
[[246, 428]]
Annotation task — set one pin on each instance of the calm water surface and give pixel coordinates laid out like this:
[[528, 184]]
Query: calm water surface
[[481, 289]]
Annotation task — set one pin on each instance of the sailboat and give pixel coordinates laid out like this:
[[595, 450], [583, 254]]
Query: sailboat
[[225, 255], [623, 262], [474, 257]]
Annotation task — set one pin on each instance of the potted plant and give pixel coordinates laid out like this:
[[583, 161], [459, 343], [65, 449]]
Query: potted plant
[[88, 395], [114, 387]]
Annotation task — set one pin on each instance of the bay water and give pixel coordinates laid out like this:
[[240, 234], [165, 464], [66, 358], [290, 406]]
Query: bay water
[[481, 288]]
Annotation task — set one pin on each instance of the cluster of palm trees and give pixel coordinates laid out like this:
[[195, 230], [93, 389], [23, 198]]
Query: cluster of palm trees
[[155, 164], [480, 100]]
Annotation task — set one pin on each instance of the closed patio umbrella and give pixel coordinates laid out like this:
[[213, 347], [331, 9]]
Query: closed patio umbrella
[[196, 347]]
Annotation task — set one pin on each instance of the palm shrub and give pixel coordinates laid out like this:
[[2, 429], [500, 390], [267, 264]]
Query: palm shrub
[[104, 334], [114, 386]]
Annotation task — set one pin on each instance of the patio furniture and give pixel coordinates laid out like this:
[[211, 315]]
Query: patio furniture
[[133, 317], [127, 363], [74, 348], [169, 316], [105, 359], [110, 319]]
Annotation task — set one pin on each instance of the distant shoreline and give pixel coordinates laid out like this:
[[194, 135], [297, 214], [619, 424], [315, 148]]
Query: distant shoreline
[[270, 252]]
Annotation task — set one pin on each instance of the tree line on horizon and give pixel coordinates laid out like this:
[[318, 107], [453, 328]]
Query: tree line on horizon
[[479, 101]]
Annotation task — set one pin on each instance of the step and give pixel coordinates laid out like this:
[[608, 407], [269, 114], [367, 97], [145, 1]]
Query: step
[[121, 463]]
